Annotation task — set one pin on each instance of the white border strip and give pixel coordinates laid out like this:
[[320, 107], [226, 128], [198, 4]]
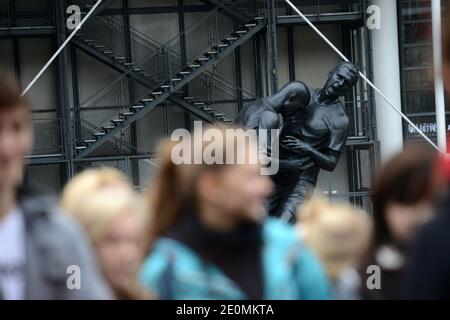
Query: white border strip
[[78, 27], [362, 75], [438, 81]]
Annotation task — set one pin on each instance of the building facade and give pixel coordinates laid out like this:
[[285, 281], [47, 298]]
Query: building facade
[[132, 75]]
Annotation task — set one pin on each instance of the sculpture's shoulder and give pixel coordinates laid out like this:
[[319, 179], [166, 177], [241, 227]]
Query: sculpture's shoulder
[[253, 112]]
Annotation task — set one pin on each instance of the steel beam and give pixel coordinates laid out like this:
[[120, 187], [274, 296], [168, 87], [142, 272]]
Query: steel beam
[[161, 98]]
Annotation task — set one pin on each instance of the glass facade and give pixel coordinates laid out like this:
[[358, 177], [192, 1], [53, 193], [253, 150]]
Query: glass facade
[[416, 68]]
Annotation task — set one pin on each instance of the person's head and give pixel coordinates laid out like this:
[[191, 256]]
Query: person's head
[[337, 233], [340, 80], [293, 97], [404, 192], [16, 134], [105, 204], [222, 194]]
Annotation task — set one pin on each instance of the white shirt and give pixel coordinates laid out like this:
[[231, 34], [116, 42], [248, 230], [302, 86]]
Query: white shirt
[[12, 256]]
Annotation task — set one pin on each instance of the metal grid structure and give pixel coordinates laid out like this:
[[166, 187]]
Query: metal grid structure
[[416, 65], [64, 135]]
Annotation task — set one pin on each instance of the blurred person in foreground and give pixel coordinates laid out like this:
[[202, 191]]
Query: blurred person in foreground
[[339, 234], [106, 205], [429, 274], [404, 198], [38, 245], [210, 238]]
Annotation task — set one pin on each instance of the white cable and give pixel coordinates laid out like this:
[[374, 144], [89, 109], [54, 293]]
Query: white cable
[[78, 27], [362, 75]]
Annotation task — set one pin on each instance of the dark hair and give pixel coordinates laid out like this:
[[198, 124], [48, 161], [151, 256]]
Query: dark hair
[[407, 178], [10, 92]]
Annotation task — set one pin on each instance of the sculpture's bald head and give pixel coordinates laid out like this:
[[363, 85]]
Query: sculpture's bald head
[[293, 97]]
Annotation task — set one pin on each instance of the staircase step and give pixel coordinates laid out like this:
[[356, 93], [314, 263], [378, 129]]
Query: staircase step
[[137, 107], [137, 69], [203, 59], [212, 52], [250, 25], [185, 72], [99, 46], [79, 148], [158, 92], [119, 58], [227, 120], [99, 134], [222, 45], [259, 18], [241, 31], [176, 79], [127, 63], [118, 120], [188, 98], [108, 52], [230, 39], [145, 100], [194, 66], [199, 103], [127, 114], [88, 40], [88, 141], [165, 86], [108, 127]]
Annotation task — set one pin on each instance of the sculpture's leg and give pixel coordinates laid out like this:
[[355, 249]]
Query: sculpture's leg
[[300, 193], [276, 199]]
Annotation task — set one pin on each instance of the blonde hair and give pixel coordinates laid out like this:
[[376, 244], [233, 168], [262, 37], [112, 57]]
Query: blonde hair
[[96, 196], [338, 233]]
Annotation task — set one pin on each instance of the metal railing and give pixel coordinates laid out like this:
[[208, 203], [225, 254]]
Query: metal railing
[[110, 31], [164, 65], [322, 7], [26, 13], [46, 132]]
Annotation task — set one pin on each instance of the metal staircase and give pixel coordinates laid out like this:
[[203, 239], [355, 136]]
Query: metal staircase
[[112, 37], [158, 91]]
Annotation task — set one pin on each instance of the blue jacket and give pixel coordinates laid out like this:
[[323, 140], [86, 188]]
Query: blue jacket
[[290, 270]]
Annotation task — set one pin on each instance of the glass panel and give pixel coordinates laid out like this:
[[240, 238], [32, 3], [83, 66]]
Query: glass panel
[[416, 51]]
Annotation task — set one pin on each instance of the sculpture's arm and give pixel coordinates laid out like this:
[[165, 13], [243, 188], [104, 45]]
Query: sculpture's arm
[[268, 121], [326, 161]]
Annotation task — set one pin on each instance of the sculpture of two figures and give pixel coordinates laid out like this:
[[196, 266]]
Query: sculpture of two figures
[[313, 132]]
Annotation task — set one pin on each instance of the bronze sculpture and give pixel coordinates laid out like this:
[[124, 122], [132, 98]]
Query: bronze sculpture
[[313, 136]]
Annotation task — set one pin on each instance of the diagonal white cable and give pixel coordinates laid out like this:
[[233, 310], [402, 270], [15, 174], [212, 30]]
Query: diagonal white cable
[[363, 76], [78, 27]]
